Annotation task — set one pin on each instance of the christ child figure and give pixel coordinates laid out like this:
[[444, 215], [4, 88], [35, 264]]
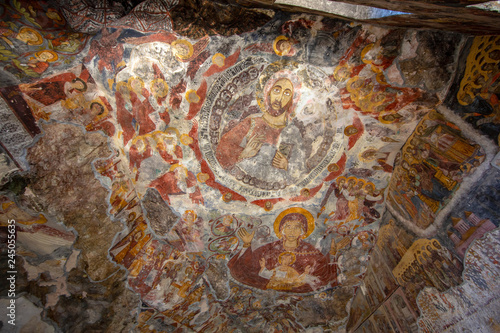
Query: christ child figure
[[283, 277]]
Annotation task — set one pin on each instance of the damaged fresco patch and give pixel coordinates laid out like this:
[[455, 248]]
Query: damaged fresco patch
[[220, 176], [477, 297]]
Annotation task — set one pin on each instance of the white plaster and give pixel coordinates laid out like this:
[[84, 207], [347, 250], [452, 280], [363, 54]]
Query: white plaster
[[393, 75]]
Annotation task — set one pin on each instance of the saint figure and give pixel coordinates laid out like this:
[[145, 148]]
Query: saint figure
[[267, 147], [283, 277], [302, 269]]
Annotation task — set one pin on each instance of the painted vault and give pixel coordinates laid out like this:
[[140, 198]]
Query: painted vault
[[172, 170]]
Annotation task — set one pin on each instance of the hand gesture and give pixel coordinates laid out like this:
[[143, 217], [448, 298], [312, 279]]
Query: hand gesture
[[333, 247], [280, 161], [253, 146], [245, 236], [307, 270]]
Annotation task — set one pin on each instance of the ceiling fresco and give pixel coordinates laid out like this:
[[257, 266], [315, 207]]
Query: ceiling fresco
[[171, 169]]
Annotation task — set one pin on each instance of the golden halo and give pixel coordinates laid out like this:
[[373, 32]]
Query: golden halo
[[165, 87], [172, 130], [131, 216], [162, 135], [268, 205], [370, 183], [305, 192], [129, 84], [185, 43], [339, 178], [347, 130], [227, 197], [218, 59], [52, 53], [342, 72], [192, 96], [308, 216], [334, 167], [352, 178], [287, 253], [39, 38], [191, 212], [366, 49], [121, 84], [186, 139], [202, 177], [136, 138], [104, 109]]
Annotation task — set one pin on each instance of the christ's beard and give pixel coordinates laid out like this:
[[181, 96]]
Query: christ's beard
[[277, 112]]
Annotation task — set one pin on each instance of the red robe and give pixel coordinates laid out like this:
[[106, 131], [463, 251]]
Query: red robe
[[342, 210], [41, 67], [141, 111], [48, 91], [167, 185], [124, 118], [245, 267], [170, 158], [229, 148]]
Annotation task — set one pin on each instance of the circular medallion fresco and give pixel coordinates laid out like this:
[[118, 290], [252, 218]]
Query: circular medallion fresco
[[270, 129]]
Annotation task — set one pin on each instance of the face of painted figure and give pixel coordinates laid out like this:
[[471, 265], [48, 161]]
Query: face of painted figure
[[227, 220], [79, 85], [122, 89], [369, 189], [136, 85], [283, 46], [369, 154], [350, 130], [27, 36], [280, 96], [286, 260], [159, 89], [359, 185], [137, 236], [53, 15], [182, 50], [293, 230], [170, 140], [189, 218], [45, 56], [96, 109]]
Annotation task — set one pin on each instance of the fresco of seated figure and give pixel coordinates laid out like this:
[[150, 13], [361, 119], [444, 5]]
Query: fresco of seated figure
[[289, 264]]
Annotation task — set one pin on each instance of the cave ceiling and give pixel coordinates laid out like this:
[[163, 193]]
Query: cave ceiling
[[247, 166]]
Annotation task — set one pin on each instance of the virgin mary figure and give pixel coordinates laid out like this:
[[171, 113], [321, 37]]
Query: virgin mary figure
[[258, 267]]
